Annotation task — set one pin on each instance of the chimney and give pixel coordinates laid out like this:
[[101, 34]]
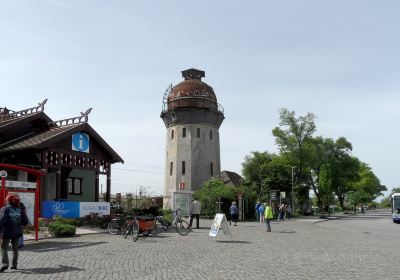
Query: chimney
[[193, 74]]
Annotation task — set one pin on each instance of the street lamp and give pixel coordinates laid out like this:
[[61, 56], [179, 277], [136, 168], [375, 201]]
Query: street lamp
[[293, 167]]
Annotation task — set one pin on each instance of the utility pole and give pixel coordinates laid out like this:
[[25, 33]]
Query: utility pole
[[292, 195]]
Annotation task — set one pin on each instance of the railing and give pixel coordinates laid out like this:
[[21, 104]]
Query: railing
[[195, 102], [6, 115]]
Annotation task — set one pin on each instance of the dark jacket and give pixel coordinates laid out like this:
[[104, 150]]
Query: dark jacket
[[11, 221]]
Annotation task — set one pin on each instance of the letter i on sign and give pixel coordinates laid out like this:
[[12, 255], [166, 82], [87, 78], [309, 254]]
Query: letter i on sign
[[81, 142]]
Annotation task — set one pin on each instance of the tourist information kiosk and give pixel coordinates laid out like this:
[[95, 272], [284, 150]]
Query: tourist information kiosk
[[29, 192]]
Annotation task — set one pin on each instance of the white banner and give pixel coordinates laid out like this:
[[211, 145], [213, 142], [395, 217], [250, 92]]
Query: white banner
[[28, 199], [20, 185], [100, 208]]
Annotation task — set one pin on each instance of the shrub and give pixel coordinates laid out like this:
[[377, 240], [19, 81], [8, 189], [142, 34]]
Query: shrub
[[62, 229]]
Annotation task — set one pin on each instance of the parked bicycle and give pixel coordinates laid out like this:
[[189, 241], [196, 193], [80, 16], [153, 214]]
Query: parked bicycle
[[117, 224], [180, 225]]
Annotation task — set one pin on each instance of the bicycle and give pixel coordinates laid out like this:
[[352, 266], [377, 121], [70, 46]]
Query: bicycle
[[116, 225], [180, 225]]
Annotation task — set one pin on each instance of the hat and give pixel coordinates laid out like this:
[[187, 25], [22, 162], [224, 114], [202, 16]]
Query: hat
[[13, 199]]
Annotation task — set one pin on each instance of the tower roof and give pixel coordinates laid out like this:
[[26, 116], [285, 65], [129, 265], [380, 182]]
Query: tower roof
[[192, 92]]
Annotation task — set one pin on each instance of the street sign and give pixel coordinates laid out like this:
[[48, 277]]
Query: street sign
[[273, 195], [283, 194], [3, 174]]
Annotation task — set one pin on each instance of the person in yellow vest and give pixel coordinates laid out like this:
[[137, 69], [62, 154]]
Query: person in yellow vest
[[268, 215]]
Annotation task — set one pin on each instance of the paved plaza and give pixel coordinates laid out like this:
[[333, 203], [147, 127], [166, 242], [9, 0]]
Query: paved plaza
[[358, 247]]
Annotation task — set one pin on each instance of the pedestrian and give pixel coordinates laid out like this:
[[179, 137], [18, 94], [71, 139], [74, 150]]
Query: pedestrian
[[261, 210], [289, 211], [281, 212], [268, 217], [195, 210], [257, 208], [12, 218], [234, 211]]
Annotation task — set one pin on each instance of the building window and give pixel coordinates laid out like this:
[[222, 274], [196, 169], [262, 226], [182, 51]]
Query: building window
[[210, 134], [212, 169], [184, 132], [171, 168], [74, 185], [183, 168], [172, 134], [198, 132]]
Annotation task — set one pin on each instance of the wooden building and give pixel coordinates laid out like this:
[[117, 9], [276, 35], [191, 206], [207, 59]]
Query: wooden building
[[70, 153]]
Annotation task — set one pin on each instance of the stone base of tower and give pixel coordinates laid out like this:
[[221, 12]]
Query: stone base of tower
[[178, 200]]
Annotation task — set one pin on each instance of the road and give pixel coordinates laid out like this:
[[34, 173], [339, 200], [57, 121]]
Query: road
[[355, 247]]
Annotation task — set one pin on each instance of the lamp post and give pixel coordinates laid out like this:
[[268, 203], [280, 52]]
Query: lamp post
[[292, 197]]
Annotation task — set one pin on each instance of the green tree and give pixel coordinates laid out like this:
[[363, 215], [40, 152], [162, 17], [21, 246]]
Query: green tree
[[210, 193], [263, 171], [292, 137]]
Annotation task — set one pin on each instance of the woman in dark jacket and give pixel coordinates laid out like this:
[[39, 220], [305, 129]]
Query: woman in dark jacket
[[12, 218]]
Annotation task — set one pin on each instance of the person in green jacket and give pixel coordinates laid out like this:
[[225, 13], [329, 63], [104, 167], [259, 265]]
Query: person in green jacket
[[268, 217]]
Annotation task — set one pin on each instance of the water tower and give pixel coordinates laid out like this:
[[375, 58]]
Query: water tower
[[192, 117]]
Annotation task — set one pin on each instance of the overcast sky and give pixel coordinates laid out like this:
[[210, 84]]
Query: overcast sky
[[337, 59]]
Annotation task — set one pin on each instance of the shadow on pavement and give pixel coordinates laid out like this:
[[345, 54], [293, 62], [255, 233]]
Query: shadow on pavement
[[233, 241], [48, 246], [49, 270], [287, 231]]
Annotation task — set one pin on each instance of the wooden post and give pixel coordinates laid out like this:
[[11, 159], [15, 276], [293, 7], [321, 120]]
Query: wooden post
[[96, 191], [108, 194]]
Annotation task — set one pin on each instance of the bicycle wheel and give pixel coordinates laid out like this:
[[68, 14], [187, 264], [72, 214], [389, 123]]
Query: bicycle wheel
[[158, 227], [128, 228], [113, 227], [182, 227], [135, 231]]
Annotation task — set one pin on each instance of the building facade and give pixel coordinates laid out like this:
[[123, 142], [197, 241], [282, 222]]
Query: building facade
[[69, 152], [192, 117]]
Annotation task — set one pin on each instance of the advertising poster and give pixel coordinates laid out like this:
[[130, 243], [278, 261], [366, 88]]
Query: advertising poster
[[28, 199]]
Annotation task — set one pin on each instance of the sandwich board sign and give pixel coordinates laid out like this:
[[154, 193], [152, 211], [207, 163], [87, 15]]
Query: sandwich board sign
[[220, 222]]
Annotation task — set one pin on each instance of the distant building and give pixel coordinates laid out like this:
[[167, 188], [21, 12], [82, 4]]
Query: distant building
[[70, 153], [192, 117], [230, 178]]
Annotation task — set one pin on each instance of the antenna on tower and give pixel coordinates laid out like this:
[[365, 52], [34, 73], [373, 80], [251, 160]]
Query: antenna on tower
[[165, 97]]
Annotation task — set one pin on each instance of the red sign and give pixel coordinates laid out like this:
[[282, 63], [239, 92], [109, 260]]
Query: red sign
[[181, 185]]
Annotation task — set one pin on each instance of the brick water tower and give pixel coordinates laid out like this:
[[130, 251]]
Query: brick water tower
[[192, 117]]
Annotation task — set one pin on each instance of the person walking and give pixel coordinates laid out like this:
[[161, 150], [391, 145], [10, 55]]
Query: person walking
[[12, 218], [257, 208], [234, 211], [195, 210], [268, 217], [261, 210]]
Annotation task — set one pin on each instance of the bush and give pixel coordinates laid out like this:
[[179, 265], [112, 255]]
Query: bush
[[62, 229]]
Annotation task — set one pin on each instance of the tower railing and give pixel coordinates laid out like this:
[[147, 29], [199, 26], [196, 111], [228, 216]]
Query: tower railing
[[193, 102]]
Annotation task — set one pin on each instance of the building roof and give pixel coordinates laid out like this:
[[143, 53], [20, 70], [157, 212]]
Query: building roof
[[229, 177], [48, 133]]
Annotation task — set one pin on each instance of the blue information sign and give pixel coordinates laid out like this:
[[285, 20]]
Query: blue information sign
[[80, 142], [65, 209]]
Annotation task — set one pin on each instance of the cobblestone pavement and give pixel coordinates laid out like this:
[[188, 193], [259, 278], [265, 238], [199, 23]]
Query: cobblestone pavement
[[350, 248]]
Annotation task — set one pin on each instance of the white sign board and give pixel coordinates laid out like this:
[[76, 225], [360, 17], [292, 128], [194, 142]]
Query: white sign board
[[20, 185], [283, 194], [220, 221], [100, 208], [28, 199]]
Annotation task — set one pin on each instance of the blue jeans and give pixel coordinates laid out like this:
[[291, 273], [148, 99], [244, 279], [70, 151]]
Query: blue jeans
[[268, 224]]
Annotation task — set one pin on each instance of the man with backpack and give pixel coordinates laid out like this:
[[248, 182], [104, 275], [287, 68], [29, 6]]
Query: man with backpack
[[12, 218]]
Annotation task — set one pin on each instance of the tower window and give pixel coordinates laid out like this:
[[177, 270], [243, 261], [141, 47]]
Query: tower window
[[172, 134], [184, 132], [198, 132], [171, 168], [210, 134], [212, 169], [183, 167]]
